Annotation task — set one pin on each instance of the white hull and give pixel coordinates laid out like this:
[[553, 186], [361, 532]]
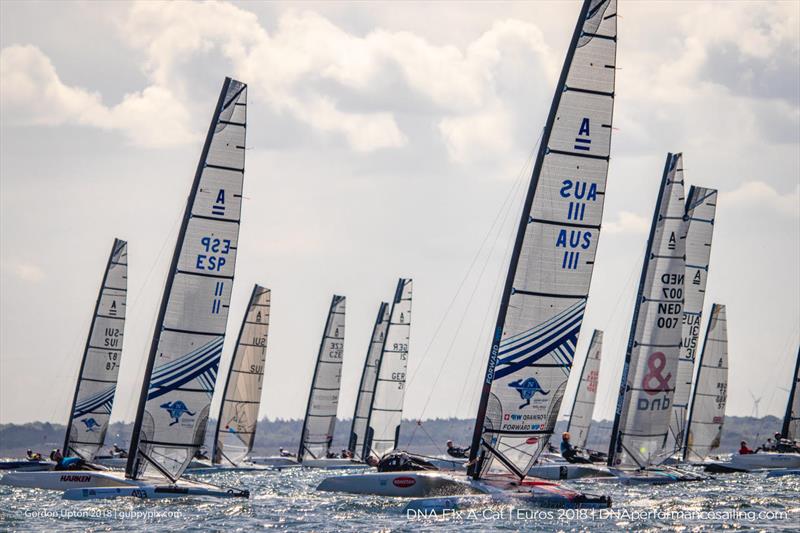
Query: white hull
[[243, 467], [403, 484], [117, 463], [651, 476], [564, 470], [65, 479], [333, 463], [784, 472], [274, 461], [763, 461], [26, 466]]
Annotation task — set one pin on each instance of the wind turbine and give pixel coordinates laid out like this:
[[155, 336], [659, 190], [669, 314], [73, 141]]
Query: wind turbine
[[755, 403]]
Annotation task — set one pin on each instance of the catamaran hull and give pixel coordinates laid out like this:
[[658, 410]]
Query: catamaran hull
[[65, 479], [557, 471], [213, 469], [756, 461], [276, 462], [155, 492], [26, 466], [402, 484], [653, 476], [332, 463]]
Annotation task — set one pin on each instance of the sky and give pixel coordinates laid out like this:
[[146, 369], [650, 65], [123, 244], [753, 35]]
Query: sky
[[384, 140]]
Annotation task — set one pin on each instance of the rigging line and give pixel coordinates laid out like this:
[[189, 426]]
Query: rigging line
[[477, 255]]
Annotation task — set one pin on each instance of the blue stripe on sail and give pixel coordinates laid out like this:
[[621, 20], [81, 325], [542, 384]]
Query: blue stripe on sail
[[557, 337], [201, 364], [100, 401], [554, 322]]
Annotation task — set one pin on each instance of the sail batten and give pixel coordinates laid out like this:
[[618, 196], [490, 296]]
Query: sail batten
[[544, 298], [386, 411], [707, 407], [580, 418], [97, 377], [647, 387], [182, 366], [701, 205], [323, 397], [241, 397]]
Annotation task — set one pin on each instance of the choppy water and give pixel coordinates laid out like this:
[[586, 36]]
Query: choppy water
[[288, 500]]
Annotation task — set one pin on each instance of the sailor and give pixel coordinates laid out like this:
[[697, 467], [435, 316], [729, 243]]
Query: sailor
[[346, 454], [116, 451], [768, 446], [33, 456], [457, 452], [201, 454], [569, 452], [330, 455], [744, 450], [66, 463], [372, 460], [285, 453]]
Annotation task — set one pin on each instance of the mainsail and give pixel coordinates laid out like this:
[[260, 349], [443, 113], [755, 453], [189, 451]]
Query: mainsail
[[184, 357], [543, 301], [241, 398], [386, 412], [707, 409], [323, 398], [369, 377], [641, 422], [791, 420], [580, 418], [701, 207], [97, 378]]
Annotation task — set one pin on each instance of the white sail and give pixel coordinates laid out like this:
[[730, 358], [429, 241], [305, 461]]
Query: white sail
[[323, 398], [383, 427], [369, 377], [701, 207], [580, 418], [97, 378], [187, 343], [241, 398], [791, 420], [707, 410], [647, 388], [544, 299]]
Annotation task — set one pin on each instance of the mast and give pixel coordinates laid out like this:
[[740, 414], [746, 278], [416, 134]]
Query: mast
[[583, 103], [100, 381], [323, 396], [792, 409], [213, 219], [240, 414], [369, 377], [386, 409], [660, 295]]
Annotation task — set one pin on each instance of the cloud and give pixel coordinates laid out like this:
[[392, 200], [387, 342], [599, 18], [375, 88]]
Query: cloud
[[628, 222], [757, 194], [31, 92], [27, 272]]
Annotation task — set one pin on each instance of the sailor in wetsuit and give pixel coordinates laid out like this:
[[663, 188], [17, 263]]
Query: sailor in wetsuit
[[66, 463], [455, 451], [569, 452]]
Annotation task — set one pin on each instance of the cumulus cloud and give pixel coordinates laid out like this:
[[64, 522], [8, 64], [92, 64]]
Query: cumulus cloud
[[31, 92], [757, 194], [629, 223]]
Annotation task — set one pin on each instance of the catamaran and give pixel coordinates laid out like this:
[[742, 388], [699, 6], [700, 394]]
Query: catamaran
[[641, 421], [90, 409], [710, 394], [553, 466], [784, 459], [319, 423], [241, 396], [701, 207], [187, 341], [544, 296]]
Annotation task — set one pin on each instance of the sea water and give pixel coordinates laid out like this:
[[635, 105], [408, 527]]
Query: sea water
[[287, 500]]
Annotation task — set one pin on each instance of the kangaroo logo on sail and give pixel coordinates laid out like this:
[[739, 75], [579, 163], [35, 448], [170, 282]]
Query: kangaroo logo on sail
[[527, 388], [90, 424], [176, 410]]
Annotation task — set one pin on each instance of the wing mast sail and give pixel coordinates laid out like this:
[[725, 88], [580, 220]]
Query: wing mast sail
[[241, 398], [323, 397], [580, 417], [707, 408], [791, 420], [369, 377], [97, 378], [386, 411], [701, 207], [544, 297], [187, 342], [641, 421]]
